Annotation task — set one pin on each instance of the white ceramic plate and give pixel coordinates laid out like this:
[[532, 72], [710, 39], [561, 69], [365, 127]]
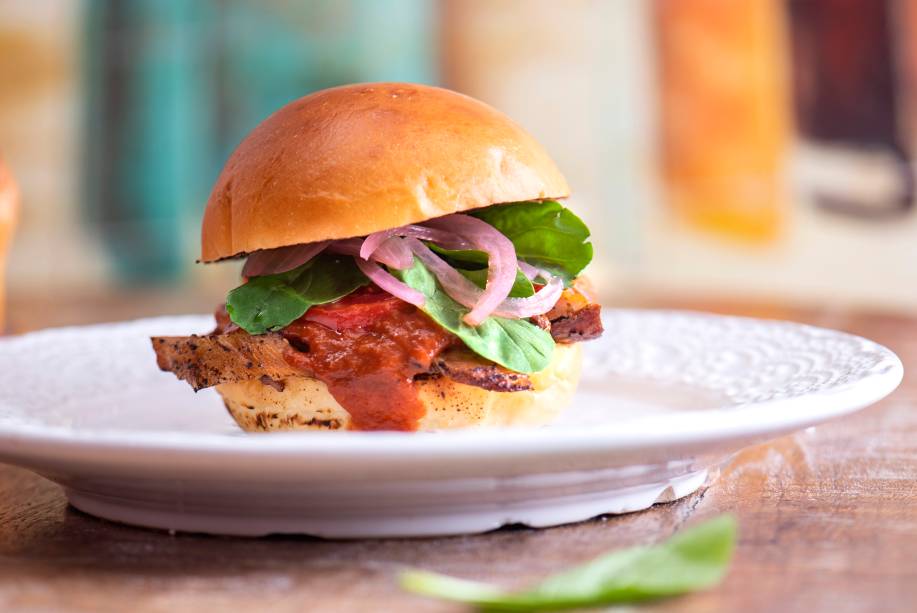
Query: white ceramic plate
[[664, 396]]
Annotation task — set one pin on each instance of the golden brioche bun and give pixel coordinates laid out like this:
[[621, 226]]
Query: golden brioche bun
[[306, 404], [352, 160]]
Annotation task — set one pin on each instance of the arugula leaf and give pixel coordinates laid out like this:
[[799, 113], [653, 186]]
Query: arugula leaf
[[544, 233], [691, 560], [522, 287], [473, 264], [461, 258], [271, 302], [516, 344]]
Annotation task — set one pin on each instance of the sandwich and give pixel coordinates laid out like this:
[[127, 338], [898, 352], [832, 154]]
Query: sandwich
[[409, 265]]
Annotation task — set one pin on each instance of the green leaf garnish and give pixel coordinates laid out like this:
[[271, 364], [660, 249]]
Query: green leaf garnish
[[461, 258], [544, 233], [272, 302], [522, 287], [516, 344], [689, 561]]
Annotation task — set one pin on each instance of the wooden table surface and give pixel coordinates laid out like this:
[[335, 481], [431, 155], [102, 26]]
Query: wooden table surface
[[828, 521]]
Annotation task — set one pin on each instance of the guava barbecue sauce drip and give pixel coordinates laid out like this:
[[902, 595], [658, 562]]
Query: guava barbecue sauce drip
[[367, 348]]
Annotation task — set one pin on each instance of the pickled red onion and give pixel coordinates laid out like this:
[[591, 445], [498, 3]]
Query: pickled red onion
[[389, 283], [394, 253], [454, 283], [281, 259], [443, 238], [347, 246], [541, 302], [397, 247], [528, 270], [501, 260], [466, 293]]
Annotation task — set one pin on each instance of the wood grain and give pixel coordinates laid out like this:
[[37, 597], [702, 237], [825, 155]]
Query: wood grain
[[828, 521]]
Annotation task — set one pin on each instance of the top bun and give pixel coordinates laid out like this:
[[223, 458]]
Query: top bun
[[357, 159]]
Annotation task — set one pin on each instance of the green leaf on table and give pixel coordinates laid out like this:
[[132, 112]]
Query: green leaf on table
[[272, 302], [545, 234], [522, 287], [517, 344], [692, 560]]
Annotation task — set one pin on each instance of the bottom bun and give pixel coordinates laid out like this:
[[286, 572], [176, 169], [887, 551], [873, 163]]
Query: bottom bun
[[306, 403]]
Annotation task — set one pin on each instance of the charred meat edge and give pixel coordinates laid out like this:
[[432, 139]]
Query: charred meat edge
[[205, 361]]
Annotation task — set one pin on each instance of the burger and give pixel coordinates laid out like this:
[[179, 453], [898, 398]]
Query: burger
[[409, 265]]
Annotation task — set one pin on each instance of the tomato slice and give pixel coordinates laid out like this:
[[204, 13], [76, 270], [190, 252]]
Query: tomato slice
[[356, 310]]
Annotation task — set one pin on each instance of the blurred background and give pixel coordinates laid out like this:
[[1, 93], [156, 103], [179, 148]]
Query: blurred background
[[753, 150]]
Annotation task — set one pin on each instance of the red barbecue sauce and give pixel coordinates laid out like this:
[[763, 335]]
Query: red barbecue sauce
[[367, 348]]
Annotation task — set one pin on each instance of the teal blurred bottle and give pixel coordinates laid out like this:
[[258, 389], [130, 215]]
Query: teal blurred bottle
[[172, 86]]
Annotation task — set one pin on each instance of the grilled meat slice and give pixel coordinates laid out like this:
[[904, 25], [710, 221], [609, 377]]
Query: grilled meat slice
[[581, 325], [463, 366], [230, 354], [541, 321], [574, 318], [204, 361]]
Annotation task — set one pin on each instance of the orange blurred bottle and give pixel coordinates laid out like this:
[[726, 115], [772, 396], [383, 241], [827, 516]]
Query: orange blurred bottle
[[724, 113]]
